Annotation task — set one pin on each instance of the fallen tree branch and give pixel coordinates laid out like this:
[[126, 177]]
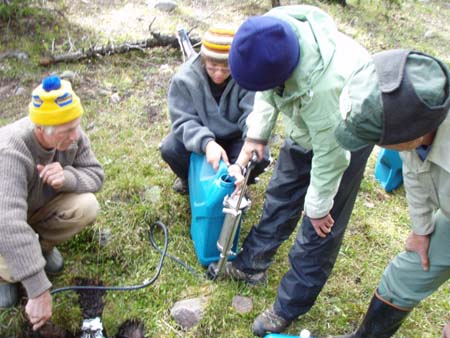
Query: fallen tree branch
[[157, 40]]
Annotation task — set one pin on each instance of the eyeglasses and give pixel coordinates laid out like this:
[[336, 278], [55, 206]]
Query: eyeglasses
[[215, 69]]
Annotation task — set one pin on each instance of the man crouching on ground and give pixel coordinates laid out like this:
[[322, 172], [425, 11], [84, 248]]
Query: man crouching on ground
[[48, 175]]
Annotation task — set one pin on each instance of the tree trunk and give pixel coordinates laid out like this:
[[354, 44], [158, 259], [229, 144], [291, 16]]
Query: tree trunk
[[276, 3], [157, 40]]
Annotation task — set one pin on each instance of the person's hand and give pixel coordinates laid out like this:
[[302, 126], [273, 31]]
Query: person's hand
[[446, 331], [214, 152], [247, 150], [235, 170], [39, 309], [52, 174], [322, 225], [420, 245]]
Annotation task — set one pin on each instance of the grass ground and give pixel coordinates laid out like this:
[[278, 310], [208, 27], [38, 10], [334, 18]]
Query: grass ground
[[125, 136]]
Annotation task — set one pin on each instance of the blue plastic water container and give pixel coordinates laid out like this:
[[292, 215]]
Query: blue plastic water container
[[207, 190], [388, 169]]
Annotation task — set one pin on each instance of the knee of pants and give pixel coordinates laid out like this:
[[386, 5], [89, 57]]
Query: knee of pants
[[5, 275], [173, 151], [167, 152], [404, 283], [88, 207]]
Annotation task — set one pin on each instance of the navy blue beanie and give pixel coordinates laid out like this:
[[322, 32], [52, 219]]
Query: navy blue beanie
[[264, 53]]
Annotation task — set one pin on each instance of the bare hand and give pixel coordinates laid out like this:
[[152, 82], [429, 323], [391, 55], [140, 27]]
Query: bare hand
[[235, 171], [247, 150], [322, 225], [446, 332], [39, 309], [214, 152], [52, 174], [420, 245]]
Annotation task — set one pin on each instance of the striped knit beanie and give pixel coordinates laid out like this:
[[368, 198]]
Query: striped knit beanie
[[216, 43]]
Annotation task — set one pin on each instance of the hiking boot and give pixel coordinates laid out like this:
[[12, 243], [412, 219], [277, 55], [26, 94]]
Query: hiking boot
[[55, 262], [231, 271], [9, 295], [269, 322], [181, 186]]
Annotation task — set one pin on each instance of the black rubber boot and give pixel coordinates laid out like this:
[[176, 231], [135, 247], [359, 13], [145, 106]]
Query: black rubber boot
[[381, 321]]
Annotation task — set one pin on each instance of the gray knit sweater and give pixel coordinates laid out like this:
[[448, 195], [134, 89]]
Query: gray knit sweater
[[196, 116], [22, 193]]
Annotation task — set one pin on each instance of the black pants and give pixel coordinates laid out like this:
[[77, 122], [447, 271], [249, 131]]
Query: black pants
[[177, 156], [312, 258]]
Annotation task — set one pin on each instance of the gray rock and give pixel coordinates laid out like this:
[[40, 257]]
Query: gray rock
[[68, 75], [242, 304], [104, 235], [14, 54], [165, 6], [115, 98], [188, 312], [104, 92], [20, 91], [428, 34]]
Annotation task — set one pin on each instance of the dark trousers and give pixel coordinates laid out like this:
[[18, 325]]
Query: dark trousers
[[312, 257], [177, 156]]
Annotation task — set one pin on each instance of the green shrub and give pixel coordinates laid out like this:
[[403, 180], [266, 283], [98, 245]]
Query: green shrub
[[13, 9]]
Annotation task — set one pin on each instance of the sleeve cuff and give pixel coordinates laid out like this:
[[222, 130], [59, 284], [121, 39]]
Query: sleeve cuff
[[36, 284], [205, 142], [423, 229], [264, 142], [70, 180]]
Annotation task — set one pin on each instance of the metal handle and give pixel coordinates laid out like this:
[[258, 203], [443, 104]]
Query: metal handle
[[248, 169]]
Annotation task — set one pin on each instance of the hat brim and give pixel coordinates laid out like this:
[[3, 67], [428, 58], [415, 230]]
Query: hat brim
[[347, 140]]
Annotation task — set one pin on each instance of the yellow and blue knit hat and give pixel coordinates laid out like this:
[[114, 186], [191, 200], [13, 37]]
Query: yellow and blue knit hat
[[54, 102]]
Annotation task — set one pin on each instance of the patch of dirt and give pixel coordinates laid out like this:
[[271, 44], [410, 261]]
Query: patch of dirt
[[7, 88]]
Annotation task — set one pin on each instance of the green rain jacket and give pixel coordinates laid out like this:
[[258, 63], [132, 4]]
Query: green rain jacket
[[310, 100]]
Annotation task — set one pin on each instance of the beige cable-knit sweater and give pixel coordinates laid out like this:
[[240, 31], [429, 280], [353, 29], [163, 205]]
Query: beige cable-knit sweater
[[22, 193]]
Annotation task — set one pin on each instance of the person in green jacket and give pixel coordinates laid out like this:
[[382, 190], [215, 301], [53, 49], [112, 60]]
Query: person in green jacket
[[298, 62], [400, 100]]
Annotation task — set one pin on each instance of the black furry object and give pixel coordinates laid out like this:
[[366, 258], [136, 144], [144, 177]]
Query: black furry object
[[131, 328], [91, 301], [49, 330]]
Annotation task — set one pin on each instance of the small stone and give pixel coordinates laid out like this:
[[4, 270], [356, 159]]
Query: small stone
[[187, 313], [242, 304], [428, 34], [115, 98], [68, 75], [20, 91], [104, 92], [104, 236], [166, 6]]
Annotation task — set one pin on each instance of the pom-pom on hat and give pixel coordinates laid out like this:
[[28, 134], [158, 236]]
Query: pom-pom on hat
[[264, 53], [216, 43], [54, 102]]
